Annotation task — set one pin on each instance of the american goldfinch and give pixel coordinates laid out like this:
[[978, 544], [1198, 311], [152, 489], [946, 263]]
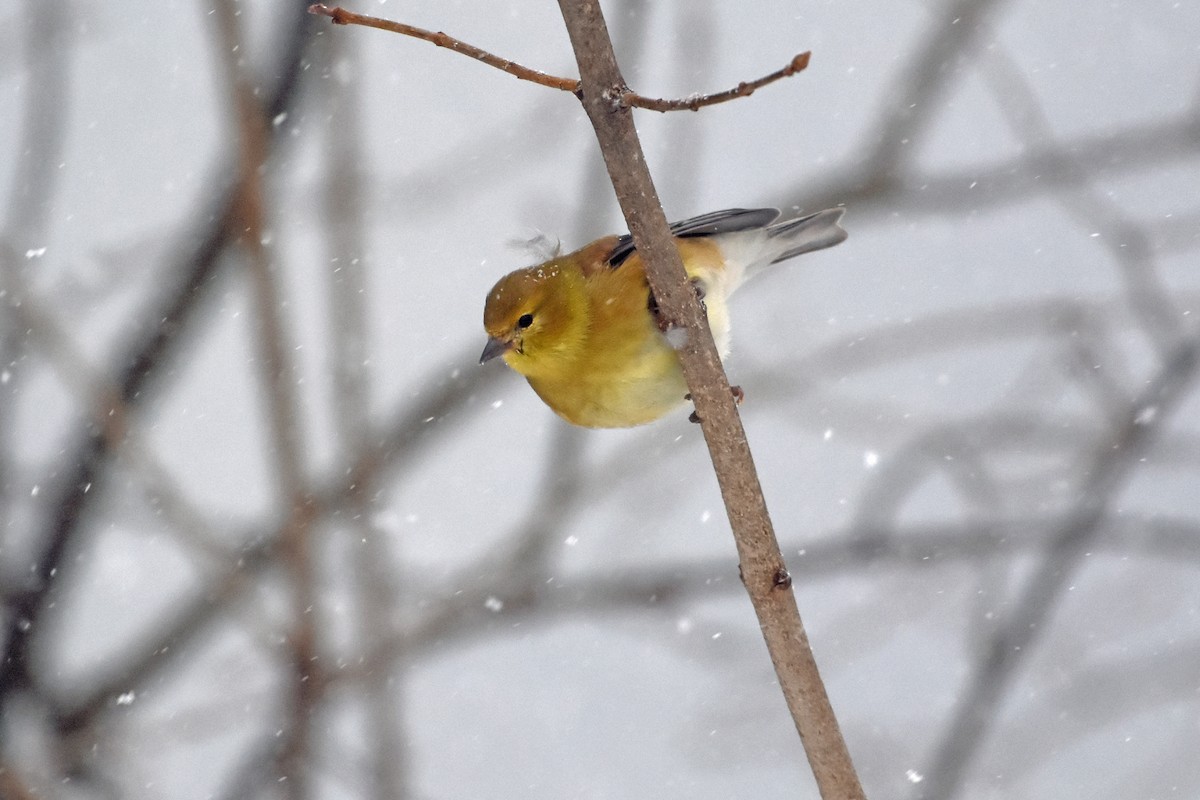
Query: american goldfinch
[[582, 327]]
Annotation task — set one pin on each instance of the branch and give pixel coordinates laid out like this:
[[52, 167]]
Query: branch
[[623, 95], [696, 102], [341, 16], [762, 566]]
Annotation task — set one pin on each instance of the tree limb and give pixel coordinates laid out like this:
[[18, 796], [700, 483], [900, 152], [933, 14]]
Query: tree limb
[[762, 566]]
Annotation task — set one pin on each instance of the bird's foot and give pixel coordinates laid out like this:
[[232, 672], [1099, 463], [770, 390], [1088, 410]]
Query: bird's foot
[[738, 396], [662, 322], [698, 288]]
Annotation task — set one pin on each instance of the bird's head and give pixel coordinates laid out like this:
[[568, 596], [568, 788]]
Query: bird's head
[[534, 317]]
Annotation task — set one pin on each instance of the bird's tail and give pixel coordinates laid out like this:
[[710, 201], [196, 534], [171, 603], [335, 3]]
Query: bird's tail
[[747, 252], [806, 234], [749, 239]]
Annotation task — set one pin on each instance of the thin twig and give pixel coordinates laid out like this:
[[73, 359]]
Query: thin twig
[[696, 102], [621, 94], [341, 16]]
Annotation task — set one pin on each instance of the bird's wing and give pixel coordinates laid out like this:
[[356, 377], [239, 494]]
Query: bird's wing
[[711, 224]]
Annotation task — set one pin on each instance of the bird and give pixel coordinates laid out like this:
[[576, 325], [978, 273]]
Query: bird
[[583, 329]]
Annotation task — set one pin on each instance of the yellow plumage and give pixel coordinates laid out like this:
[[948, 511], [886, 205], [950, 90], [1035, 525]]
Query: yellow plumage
[[581, 329]]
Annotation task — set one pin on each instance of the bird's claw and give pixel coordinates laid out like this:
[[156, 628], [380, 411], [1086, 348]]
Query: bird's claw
[[698, 288], [662, 322], [738, 393]]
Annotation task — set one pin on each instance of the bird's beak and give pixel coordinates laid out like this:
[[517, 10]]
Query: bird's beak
[[495, 347]]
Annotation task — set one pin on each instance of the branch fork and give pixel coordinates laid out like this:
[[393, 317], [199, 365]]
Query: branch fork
[[621, 94]]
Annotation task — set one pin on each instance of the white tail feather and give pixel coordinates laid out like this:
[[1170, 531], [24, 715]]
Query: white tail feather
[[747, 252]]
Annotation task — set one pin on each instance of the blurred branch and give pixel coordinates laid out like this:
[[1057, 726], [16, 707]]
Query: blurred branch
[[35, 159], [909, 104], [1114, 458], [698, 24], [881, 178], [966, 190], [43, 124], [952, 329], [13, 787], [169, 641], [522, 561], [397, 446], [524, 590], [1095, 694], [375, 566], [1125, 241], [618, 94], [427, 179], [111, 419], [88, 452], [460, 609], [923, 547], [879, 424], [458, 614], [957, 450], [283, 407], [252, 770]]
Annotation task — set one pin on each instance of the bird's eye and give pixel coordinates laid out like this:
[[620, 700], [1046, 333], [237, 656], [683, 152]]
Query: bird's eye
[[525, 321]]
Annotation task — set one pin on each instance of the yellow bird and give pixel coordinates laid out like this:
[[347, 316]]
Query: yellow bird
[[583, 330]]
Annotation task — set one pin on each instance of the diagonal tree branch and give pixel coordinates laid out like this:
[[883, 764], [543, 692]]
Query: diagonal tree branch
[[762, 566]]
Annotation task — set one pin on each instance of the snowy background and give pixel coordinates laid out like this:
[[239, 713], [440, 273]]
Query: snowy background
[[269, 531]]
